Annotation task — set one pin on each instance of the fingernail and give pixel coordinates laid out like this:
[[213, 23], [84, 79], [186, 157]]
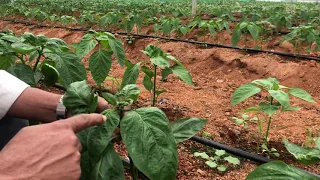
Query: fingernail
[[104, 118]]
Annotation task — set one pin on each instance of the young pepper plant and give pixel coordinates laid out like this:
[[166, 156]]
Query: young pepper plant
[[303, 34], [161, 60], [277, 101], [245, 27], [279, 169], [151, 140], [59, 63], [100, 61]]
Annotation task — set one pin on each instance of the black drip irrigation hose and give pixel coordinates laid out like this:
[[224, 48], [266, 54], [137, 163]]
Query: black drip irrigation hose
[[302, 57], [207, 142], [235, 151], [238, 152]]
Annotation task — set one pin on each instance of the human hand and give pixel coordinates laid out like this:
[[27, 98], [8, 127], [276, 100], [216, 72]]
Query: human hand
[[102, 105], [48, 151]]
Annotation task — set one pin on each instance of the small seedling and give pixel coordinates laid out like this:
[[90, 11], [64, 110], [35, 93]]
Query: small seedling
[[271, 151], [206, 134], [244, 120], [311, 137], [130, 39], [218, 159], [277, 101]]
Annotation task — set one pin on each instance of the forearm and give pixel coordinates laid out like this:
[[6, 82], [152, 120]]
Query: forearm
[[35, 104]]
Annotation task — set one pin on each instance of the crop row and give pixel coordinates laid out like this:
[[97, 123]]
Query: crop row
[[252, 21]]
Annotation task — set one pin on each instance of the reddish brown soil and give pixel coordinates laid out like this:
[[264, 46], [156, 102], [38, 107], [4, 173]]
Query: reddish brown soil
[[217, 72]]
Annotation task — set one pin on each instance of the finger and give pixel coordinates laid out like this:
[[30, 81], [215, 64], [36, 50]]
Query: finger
[[83, 121], [79, 146], [102, 105]]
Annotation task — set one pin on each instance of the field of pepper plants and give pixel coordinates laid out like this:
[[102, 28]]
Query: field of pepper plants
[[230, 92]]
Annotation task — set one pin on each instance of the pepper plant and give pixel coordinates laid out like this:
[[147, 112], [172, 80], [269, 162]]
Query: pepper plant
[[280, 170], [21, 55], [151, 140], [247, 28], [304, 34], [161, 60], [100, 60], [69, 20], [209, 25], [282, 20], [277, 101], [111, 18]]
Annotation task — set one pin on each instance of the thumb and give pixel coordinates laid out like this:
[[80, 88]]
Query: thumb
[[83, 121]]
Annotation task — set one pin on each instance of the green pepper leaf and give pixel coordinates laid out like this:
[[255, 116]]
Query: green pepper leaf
[[110, 98], [236, 36], [129, 92], [268, 108], [165, 73], [147, 82], [100, 136], [70, 68], [130, 75], [302, 94], [6, 61], [109, 166], [78, 95], [268, 83], [85, 45], [23, 48], [147, 71], [100, 64], [150, 142], [24, 73], [304, 155], [254, 31], [182, 73], [184, 129], [278, 170], [317, 142], [244, 92], [281, 96], [160, 61], [118, 50], [85, 166], [183, 30]]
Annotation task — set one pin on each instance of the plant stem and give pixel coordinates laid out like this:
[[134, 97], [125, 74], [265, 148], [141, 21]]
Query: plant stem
[[269, 124], [245, 41], [154, 86], [267, 133], [133, 169], [21, 58], [37, 62]]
